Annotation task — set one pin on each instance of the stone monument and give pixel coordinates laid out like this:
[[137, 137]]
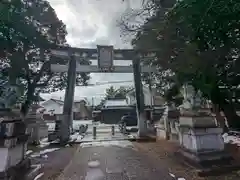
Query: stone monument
[[200, 139], [13, 137], [167, 127], [36, 126]]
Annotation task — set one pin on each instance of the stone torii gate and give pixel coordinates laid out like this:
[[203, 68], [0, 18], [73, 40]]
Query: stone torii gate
[[105, 56]]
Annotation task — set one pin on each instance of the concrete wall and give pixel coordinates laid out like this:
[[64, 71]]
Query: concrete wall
[[82, 109], [147, 99], [51, 105]]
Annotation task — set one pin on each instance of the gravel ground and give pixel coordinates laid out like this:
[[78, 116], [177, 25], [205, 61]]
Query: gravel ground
[[162, 151], [56, 161]]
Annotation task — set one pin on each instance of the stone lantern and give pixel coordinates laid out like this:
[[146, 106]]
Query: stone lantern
[[200, 139], [13, 137]]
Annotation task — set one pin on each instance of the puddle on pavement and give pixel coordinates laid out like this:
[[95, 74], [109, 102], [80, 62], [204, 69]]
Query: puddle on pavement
[[93, 164]]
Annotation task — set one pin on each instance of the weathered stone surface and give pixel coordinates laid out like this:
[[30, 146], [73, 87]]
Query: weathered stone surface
[[167, 128], [161, 133], [13, 142], [197, 121], [201, 140], [36, 127], [197, 140]]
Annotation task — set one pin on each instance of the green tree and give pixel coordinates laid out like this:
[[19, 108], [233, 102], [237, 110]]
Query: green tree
[[121, 92], [29, 30], [115, 93], [110, 92], [214, 29], [195, 42]]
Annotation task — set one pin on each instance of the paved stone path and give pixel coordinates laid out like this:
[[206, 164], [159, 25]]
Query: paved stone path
[[112, 160]]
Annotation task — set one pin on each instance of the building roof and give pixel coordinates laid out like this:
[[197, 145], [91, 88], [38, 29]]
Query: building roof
[[115, 102], [61, 102]]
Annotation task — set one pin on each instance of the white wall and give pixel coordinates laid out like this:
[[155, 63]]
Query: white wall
[[58, 108], [51, 105], [147, 98]]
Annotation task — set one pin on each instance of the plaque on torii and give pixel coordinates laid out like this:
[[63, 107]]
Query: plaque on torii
[[105, 58]]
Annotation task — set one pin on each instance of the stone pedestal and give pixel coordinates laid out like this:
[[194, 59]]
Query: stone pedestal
[[201, 140], [13, 144]]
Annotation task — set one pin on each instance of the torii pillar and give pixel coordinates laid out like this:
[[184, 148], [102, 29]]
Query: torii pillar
[[142, 124], [67, 121]]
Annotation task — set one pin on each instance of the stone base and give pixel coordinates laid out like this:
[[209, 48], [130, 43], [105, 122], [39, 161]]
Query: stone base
[[206, 159], [208, 164], [201, 139], [11, 156]]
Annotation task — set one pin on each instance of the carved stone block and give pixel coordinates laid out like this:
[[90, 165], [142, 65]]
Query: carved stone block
[[197, 121]]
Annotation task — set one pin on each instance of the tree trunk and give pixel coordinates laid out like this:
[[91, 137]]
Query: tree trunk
[[220, 119], [218, 97], [231, 115], [26, 105]]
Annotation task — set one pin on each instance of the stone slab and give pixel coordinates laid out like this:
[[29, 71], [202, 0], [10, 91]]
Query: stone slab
[[10, 157], [201, 131], [222, 165]]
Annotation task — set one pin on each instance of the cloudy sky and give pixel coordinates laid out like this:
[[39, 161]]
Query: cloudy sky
[[90, 23]]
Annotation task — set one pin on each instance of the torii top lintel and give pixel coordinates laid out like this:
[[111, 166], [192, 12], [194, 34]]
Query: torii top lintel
[[119, 54]]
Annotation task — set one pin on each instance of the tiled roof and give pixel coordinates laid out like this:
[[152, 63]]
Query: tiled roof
[[59, 101], [115, 102]]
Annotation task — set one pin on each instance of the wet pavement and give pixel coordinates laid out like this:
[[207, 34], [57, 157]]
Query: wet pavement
[[112, 160]]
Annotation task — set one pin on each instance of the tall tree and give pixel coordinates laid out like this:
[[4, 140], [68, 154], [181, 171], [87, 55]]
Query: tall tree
[[115, 93], [29, 30], [195, 42], [215, 31]]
